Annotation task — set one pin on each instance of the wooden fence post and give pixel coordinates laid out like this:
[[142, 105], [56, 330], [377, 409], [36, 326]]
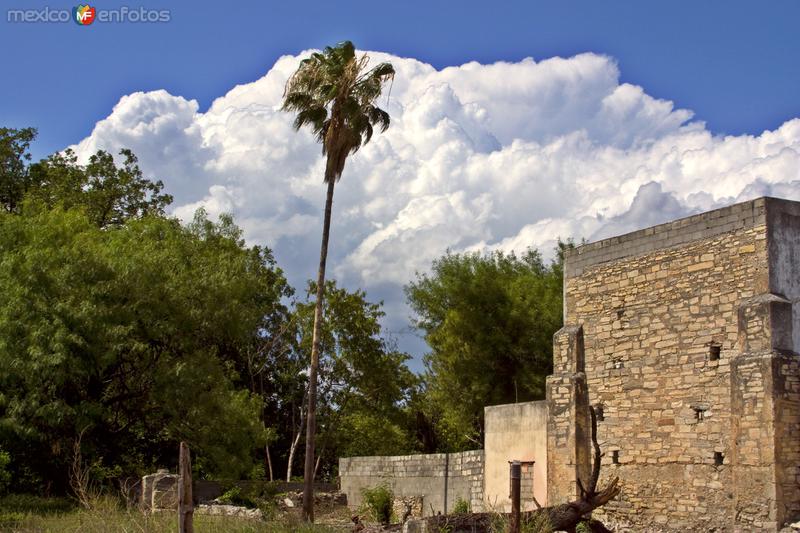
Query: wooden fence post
[[185, 504]]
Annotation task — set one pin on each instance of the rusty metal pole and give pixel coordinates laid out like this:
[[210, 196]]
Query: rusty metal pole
[[515, 476]]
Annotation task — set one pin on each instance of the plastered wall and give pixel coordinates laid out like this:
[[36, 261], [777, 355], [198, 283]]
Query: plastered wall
[[515, 432]]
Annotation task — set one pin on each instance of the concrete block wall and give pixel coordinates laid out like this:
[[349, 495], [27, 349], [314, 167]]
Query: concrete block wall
[[441, 479]]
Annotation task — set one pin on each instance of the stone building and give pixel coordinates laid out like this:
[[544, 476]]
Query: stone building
[[685, 339], [685, 336]]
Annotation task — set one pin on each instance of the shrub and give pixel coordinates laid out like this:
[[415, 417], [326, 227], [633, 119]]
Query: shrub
[[11, 520], [256, 473], [267, 490], [378, 501], [461, 507], [5, 475], [235, 496], [536, 523], [264, 494], [29, 503], [589, 525]]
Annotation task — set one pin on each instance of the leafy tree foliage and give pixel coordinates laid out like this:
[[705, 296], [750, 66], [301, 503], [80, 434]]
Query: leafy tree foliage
[[121, 322], [489, 321], [14, 156], [128, 333], [109, 195], [364, 380]]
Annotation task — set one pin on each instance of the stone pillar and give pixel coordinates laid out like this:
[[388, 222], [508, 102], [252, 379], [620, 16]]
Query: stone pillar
[[765, 414], [568, 420]]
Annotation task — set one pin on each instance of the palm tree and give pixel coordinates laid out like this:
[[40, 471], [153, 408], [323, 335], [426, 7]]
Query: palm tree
[[334, 92]]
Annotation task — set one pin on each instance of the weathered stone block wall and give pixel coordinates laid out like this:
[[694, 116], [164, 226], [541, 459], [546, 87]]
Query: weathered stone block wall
[[440, 479], [659, 315], [787, 408], [567, 422], [783, 220]]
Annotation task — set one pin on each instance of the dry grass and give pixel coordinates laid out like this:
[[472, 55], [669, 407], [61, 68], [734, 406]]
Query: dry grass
[[108, 516]]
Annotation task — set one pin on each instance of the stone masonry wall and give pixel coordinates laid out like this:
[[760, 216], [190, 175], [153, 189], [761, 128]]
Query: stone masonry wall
[[567, 420], [655, 307], [764, 403], [440, 479]]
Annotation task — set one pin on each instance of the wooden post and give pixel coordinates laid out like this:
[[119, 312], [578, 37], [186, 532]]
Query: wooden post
[[185, 503], [515, 474]]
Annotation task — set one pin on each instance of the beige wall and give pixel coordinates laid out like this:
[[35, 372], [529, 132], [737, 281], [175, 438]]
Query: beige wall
[[514, 432], [648, 322]]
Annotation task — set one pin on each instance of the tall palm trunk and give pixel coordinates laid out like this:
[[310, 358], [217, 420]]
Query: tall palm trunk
[[311, 420]]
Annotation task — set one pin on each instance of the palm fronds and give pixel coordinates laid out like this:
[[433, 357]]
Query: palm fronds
[[334, 92]]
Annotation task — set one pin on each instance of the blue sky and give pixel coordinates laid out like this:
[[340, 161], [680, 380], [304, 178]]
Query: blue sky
[[733, 63], [654, 111]]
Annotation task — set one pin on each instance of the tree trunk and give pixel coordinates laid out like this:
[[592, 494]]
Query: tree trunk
[[316, 464], [269, 461], [293, 448], [311, 419]]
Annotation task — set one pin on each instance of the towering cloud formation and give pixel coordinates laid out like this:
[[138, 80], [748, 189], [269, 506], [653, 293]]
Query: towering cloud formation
[[501, 156]]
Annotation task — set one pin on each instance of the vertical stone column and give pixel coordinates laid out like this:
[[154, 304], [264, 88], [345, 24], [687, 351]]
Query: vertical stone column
[[568, 421], [765, 414]]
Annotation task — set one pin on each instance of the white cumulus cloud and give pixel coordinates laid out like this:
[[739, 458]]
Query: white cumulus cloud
[[478, 157]]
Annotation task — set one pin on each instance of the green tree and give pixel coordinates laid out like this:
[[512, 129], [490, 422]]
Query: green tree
[[334, 93], [14, 158], [489, 321], [130, 333], [121, 322], [364, 381], [109, 194]]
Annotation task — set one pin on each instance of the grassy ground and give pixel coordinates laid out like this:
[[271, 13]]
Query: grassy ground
[[37, 515]]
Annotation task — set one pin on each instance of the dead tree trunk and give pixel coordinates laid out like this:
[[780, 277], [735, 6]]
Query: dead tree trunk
[[564, 517]]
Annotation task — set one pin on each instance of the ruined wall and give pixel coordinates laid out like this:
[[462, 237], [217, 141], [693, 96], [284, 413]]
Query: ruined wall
[[769, 333], [480, 477], [659, 311], [440, 478], [568, 417], [515, 431]]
